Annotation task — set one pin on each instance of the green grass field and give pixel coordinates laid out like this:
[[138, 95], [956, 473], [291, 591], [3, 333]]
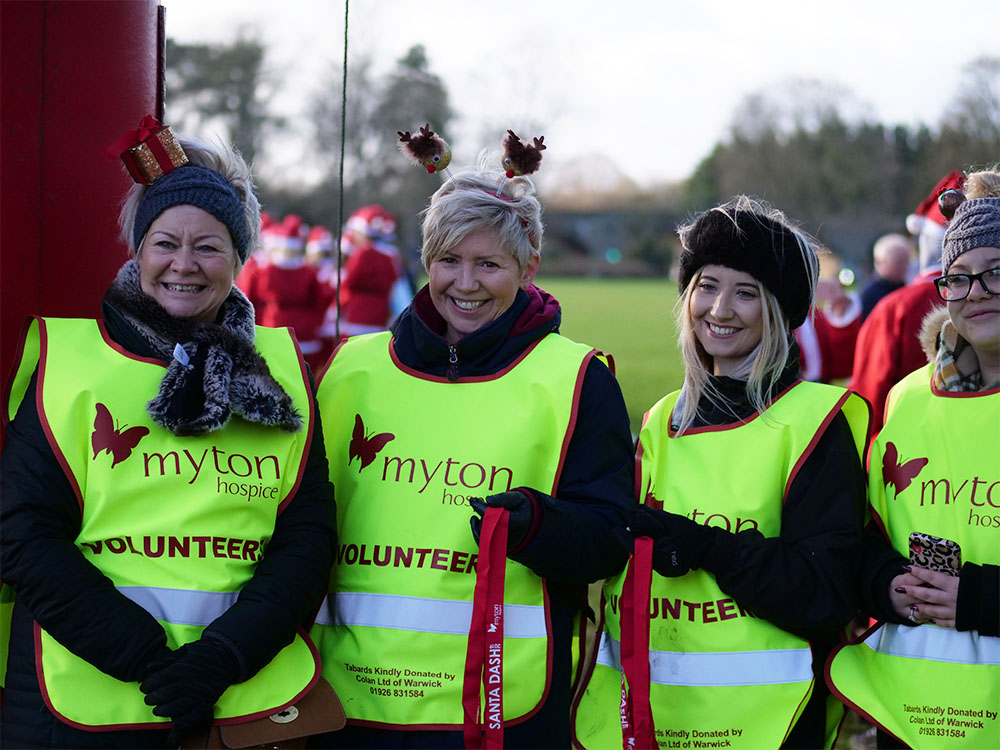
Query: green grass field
[[631, 319]]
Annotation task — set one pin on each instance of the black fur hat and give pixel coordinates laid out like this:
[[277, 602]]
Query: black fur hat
[[737, 236]]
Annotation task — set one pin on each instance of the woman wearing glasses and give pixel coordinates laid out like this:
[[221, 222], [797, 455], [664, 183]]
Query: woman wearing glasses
[[928, 673]]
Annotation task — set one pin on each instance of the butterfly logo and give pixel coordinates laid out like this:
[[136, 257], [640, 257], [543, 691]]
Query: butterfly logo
[[113, 440], [899, 475], [365, 447]]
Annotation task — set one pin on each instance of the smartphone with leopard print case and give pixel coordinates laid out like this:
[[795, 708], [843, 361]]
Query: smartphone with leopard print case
[[935, 553]]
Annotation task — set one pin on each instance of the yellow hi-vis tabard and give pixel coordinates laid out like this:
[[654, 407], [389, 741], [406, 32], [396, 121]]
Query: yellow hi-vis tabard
[[405, 451], [177, 523], [717, 673], [934, 469]]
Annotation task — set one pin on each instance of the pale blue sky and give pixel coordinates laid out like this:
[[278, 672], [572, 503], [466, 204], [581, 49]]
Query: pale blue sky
[[652, 84]]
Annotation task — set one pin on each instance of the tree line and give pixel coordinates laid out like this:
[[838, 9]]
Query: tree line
[[808, 147]]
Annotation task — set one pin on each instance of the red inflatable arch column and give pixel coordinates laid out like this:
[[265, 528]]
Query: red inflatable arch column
[[76, 75]]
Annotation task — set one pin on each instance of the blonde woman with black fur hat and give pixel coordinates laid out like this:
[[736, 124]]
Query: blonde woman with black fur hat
[[746, 546], [928, 673]]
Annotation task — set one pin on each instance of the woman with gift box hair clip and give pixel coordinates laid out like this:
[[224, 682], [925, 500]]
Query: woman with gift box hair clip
[[167, 522], [473, 398], [745, 549], [931, 568]]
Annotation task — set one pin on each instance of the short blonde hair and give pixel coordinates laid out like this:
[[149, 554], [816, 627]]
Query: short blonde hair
[[469, 202]]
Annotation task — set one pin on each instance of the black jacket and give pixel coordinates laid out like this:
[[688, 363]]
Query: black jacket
[[570, 543], [805, 579], [71, 599]]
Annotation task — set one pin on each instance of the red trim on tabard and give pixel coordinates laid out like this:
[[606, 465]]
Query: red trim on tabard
[[43, 345], [574, 410], [477, 379], [581, 656], [839, 695], [720, 428], [962, 394], [162, 725], [609, 357], [317, 672], [587, 675], [633, 604], [123, 351], [18, 356], [813, 441], [485, 643], [310, 423], [325, 368]]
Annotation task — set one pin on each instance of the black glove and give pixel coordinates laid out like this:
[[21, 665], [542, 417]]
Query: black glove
[[518, 521], [187, 688], [679, 544]]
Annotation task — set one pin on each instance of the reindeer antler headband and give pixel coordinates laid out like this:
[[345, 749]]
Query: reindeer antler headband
[[429, 150]]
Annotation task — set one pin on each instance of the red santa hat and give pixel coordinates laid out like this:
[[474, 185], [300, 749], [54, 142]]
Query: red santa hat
[[374, 221], [319, 241], [927, 224], [928, 210]]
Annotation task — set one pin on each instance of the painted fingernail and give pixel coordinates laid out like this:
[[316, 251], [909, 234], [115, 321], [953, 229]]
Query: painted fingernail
[[907, 568], [900, 590]]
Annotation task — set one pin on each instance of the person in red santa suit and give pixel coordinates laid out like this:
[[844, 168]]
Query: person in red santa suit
[[370, 272], [292, 295], [247, 280], [826, 340], [321, 254], [888, 345]]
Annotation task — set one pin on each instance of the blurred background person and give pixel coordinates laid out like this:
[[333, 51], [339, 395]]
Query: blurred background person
[[371, 270], [289, 293], [827, 338], [891, 256], [888, 344]]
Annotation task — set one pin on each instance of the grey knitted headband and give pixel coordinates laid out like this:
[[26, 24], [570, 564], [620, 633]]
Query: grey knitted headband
[[976, 223], [196, 186]]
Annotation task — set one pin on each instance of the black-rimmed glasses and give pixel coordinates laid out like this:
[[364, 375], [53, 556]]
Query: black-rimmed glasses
[[956, 286]]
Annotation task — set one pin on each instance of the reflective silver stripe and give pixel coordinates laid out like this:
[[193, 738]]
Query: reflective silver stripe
[[935, 644], [181, 606], [426, 615], [718, 669]]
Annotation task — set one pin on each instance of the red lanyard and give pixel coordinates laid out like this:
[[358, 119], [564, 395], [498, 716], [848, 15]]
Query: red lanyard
[[484, 657], [636, 714]]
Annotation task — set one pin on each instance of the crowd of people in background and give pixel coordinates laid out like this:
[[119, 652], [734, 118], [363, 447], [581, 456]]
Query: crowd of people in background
[[293, 279]]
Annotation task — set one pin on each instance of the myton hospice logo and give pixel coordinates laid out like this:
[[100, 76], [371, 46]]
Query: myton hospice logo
[[111, 439], [365, 447], [899, 473]]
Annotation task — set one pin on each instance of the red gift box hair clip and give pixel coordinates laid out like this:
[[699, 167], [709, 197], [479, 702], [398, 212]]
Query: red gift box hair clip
[[149, 151]]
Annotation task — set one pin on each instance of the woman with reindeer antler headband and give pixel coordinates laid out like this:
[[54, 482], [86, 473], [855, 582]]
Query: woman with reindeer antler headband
[[167, 519], [931, 572], [473, 399]]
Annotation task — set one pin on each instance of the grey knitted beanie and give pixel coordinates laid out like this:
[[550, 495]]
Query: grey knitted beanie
[[196, 186], [976, 223]]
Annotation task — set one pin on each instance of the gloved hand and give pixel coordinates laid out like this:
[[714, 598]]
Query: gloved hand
[[679, 544], [518, 521], [187, 688]]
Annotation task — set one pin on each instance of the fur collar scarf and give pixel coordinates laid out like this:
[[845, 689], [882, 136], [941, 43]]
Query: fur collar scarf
[[956, 367], [224, 373]]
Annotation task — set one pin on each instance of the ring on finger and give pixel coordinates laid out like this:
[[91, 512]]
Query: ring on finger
[[912, 616]]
